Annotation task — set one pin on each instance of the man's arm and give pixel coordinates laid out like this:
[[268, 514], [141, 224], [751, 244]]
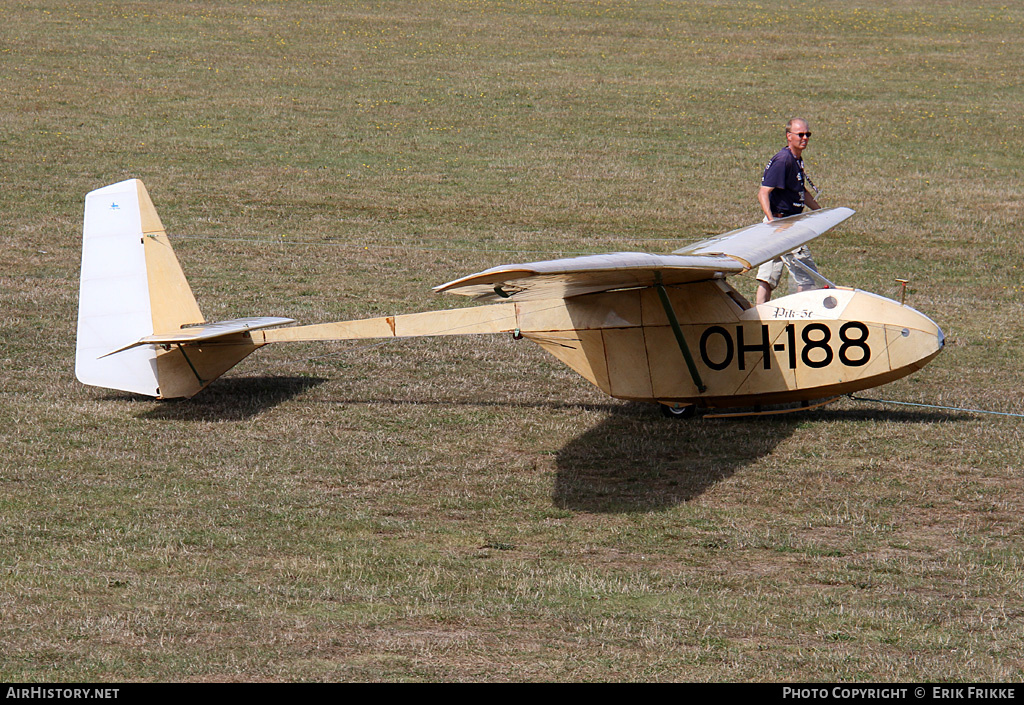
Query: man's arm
[[810, 201], [762, 198]]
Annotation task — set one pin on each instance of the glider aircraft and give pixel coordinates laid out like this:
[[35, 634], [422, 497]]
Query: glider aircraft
[[659, 328]]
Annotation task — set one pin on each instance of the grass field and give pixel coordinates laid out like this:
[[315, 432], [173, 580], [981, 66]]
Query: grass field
[[469, 509]]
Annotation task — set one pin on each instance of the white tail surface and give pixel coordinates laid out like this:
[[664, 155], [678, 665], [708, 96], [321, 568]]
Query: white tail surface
[[131, 287]]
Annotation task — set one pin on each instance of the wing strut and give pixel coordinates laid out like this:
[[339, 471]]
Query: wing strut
[[674, 322]]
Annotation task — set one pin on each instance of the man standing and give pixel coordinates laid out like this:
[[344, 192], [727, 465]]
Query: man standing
[[781, 195]]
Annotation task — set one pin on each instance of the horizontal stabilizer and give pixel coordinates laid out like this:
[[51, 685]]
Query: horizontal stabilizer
[[207, 332]]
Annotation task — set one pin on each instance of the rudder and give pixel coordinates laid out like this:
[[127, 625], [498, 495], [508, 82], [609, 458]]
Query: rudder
[[131, 286]]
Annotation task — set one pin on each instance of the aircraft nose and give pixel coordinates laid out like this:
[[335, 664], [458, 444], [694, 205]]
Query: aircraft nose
[[922, 339], [911, 338]]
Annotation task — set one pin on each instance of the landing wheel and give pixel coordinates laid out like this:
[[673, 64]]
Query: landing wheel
[[678, 412]]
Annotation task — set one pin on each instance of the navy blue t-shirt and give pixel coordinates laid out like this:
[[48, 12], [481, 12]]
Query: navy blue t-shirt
[[784, 174]]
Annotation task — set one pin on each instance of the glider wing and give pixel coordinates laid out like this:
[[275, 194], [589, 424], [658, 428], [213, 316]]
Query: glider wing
[[756, 244], [732, 253], [565, 278]]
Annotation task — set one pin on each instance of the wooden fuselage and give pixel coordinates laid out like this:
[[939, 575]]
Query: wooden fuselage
[[801, 347]]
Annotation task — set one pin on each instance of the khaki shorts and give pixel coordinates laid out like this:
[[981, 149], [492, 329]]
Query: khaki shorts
[[771, 272]]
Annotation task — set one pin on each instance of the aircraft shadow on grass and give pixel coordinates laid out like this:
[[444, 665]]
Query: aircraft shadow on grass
[[233, 399], [635, 461]]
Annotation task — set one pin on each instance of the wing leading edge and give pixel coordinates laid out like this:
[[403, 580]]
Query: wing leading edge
[[732, 253]]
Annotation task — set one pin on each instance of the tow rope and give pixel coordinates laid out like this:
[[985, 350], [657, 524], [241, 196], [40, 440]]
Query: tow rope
[[936, 406]]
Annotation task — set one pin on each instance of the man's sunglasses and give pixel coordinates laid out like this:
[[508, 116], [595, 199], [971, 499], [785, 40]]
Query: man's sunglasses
[[801, 134]]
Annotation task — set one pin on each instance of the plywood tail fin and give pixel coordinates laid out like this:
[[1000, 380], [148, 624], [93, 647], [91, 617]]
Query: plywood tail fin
[[132, 287]]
